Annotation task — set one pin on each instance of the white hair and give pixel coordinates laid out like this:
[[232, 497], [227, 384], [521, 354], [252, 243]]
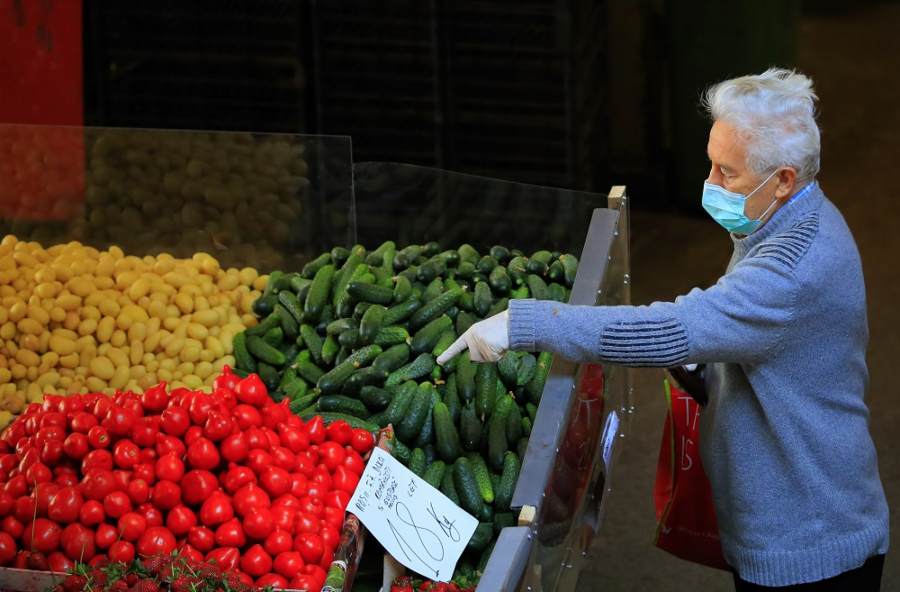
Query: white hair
[[774, 113]]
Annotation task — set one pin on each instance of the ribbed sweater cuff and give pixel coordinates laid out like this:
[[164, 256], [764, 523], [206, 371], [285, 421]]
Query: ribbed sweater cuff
[[521, 325], [789, 568]]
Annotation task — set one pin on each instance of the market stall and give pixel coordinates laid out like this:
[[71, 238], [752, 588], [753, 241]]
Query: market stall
[[171, 254]]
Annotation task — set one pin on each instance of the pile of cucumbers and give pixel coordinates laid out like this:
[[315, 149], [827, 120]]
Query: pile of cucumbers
[[355, 334]]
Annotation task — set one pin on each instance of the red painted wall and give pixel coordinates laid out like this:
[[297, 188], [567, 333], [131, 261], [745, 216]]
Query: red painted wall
[[41, 83]]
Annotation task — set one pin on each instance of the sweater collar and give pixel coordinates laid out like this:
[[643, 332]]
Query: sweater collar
[[781, 220]]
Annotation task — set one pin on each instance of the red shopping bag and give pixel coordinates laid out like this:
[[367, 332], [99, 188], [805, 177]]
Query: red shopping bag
[[687, 526]]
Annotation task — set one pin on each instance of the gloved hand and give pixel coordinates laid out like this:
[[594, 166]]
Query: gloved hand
[[487, 340]]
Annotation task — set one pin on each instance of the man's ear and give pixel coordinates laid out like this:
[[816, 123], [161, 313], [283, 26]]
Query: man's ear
[[787, 176]]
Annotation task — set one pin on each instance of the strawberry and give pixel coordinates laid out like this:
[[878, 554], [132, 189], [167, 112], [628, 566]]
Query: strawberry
[[152, 565], [97, 578], [131, 579], [145, 586], [184, 584], [75, 583], [118, 586], [396, 588], [103, 562], [209, 571], [38, 561]]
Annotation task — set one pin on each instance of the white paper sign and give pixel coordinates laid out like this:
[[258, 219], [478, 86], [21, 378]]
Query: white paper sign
[[412, 520], [610, 431]]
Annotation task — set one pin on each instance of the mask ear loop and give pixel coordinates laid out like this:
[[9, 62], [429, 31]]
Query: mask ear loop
[[763, 183]]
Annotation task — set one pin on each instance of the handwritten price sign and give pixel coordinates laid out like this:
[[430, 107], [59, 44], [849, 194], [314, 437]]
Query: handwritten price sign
[[412, 520]]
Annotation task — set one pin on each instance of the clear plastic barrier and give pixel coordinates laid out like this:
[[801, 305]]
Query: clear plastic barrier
[[412, 204], [262, 200]]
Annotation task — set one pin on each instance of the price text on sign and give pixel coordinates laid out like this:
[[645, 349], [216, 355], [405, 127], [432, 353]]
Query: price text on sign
[[412, 520]]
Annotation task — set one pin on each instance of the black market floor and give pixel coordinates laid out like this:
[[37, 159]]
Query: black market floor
[[854, 57]]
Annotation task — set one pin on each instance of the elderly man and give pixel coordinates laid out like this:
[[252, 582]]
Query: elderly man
[[784, 437]]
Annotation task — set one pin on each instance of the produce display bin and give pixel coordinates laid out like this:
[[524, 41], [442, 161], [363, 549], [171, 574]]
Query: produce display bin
[[274, 201]]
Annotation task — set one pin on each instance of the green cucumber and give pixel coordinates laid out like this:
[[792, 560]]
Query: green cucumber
[[390, 336], [338, 326], [417, 462], [343, 299], [402, 289], [426, 435], [499, 280], [447, 338], [534, 388], [485, 388], [427, 337], [481, 538], [290, 302], [318, 293], [539, 262], [464, 320], [526, 427], [483, 299], [508, 367], [431, 270], [503, 520], [401, 312], [401, 451], [482, 476], [498, 307], [310, 269], [392, 358], [375, 257], [500, 253], [410, 426], [465, 378], [498, 445], [270, 322], [433, 290], [527, 367], [376, 399], [370, 375], [351, 339], [242, 358], [396, 410], [313, 342], [471, 428], [264, 352], [418, 368], [330, 349], [430, 249], [300, 287], [263, 306], [342, 404], [516, 270], [309, 371], [334, 379], [433, 309], [269, 375], [556, 292], [289, 327], [467, 486], [372, 293], [450, 397], [448, 488], [487, 264], [538, 287], [275, 335], [435, 473], [446, 436], [504, 493], [272, 282], [556, 272], [513, 426], [467, 253], [570, 269]]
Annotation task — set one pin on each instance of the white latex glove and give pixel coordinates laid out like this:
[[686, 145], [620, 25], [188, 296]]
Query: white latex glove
[[487, 340]]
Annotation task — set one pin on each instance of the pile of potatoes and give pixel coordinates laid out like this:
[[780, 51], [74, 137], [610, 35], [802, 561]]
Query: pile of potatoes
[[233, 194], [74, 320]]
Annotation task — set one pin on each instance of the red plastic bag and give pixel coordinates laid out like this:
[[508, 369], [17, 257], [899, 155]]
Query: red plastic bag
[[687, 526]]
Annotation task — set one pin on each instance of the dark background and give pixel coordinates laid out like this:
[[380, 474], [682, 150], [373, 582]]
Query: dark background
[[578, 94]]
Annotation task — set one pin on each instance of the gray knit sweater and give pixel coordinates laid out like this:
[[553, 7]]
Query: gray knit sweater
[[785, 437]]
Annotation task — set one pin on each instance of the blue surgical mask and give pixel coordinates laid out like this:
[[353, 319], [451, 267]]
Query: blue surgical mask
[[727, 207]]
